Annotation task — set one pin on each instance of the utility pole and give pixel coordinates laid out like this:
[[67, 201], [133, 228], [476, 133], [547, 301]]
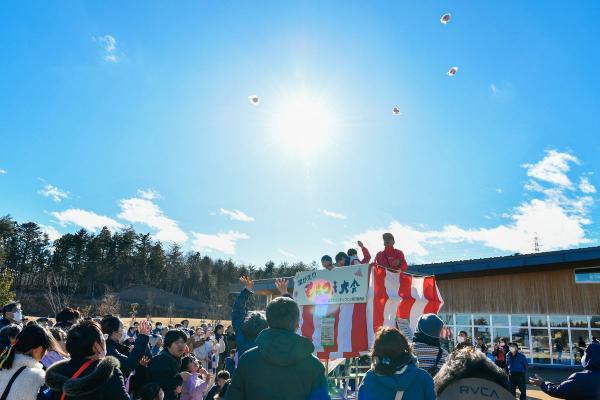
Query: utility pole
[[536, 243]]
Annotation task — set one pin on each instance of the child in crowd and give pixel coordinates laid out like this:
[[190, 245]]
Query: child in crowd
[[195, 379]]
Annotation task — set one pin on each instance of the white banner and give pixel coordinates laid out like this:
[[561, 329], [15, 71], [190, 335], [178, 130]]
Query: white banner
[[339, 286]]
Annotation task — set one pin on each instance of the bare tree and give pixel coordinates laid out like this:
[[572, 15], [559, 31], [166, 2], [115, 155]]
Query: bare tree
[[109, 304], [58, 297]]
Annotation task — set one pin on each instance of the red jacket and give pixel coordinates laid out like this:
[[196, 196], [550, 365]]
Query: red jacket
[[392, 258], [365, 260]]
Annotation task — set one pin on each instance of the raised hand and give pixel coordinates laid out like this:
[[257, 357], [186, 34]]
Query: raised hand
[[247, 282], [282, 285], [144, 328], [360, 244], [145, 361]]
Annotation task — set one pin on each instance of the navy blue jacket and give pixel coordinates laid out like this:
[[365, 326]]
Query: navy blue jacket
[[128, 360], [238, 315], [516, 363], [583, 385]]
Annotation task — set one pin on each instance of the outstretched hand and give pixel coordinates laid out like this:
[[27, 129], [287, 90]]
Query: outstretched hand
[[144, 328], [360, 244], [282, 285], [247, 282]]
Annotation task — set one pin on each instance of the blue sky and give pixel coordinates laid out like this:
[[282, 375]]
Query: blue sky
[[138, 114]]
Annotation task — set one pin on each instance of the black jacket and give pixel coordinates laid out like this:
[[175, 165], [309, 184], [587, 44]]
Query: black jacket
[[101, 380], [164, 370], [128, 359], [281, 367], [6, 322]]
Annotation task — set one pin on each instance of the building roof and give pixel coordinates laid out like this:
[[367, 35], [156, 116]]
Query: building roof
[[574, 257]]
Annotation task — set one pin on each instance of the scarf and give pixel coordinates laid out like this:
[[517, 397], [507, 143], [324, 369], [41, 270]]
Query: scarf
[[428, 340]]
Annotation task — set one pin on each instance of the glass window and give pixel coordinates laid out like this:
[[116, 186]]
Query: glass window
[[595, 321], [485, 345], [500, 320], [559, 320], [561, 353], [521, 337], [501, 334], [579, 321], [596, 334], [448, 319], [463, 319], [587, 275], [538, 320], [579, 341], [481, 319], [518, 320], [540, 346]]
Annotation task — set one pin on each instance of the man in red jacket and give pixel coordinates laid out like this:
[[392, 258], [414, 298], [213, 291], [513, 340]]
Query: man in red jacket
[[390, 257]]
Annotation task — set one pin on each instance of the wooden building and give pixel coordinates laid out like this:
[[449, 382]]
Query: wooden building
[[546, 302]]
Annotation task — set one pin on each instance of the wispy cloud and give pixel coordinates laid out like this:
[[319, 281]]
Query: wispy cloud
[[109, 45], [586, 186], [494, 89], [236, 215], [557, 214], [148, 194], [498, 190], [51, 231], [333, 214], [86, 219], [3, 171], [553, 168], [286, 253], [221, 242], [328, 241], [142, 211], [56, 194]]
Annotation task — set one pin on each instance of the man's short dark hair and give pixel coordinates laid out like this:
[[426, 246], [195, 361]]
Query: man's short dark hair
[[352, 252], [219, 327], [283, 313], [326, 258], [340, 256], [10, 307], [254, 324], [174, 335], [223, 375], [468, 363], [67, 314], [110, 325]]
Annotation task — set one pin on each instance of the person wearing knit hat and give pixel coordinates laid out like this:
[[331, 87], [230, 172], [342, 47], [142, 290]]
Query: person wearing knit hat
[[427, 345]]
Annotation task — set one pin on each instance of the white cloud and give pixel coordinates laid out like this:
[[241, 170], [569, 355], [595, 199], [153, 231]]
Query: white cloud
[[54, 193], [222, 242], [52, 233], [498, 190], [86, 219], [286, 253], [149, 194], [328, 241], [557, 215], [109, 45], [236, 215], [3, 171], [142, 211], [586, 186], [333, 214], [553, 168]]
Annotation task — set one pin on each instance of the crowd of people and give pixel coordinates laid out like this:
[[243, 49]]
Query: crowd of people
[[260, 356]]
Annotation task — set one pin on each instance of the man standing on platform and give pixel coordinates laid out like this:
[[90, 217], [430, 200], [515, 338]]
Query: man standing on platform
[[390, 257]]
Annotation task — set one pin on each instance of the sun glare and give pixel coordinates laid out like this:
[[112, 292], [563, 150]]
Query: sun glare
[[303, 126]]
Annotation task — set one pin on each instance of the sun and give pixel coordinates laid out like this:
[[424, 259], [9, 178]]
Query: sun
[[304, 126]]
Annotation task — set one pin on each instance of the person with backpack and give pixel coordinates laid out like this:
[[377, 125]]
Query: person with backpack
[[21, 373], [394, 371], [427, 346], [89, 374]]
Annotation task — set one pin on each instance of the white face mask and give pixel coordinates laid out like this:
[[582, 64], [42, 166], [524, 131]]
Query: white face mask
[[123, 335], [18, 316], [460, 339], [513, 349]]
